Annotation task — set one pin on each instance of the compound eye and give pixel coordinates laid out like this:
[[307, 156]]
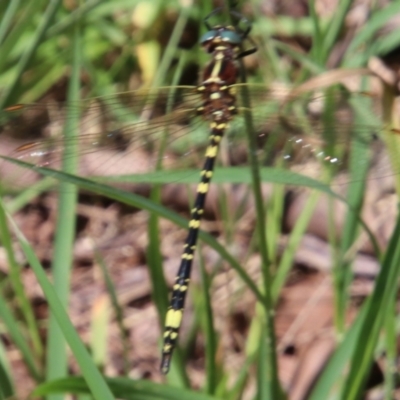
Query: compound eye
[[231, 37], [208, 36]]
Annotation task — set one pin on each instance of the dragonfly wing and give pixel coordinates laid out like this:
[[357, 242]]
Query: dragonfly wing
[[113, 142]]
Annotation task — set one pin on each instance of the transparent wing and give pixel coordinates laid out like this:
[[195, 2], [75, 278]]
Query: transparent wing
[[316, 130], [112, 130], [126, 133]]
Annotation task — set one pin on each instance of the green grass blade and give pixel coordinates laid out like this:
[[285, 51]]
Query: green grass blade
[[23, 198], [210, 333], [19, 340], [331, 374], [116, 307], [390, 348], [19, 24], [376, 308], [317, 51], [308, 63], [7, 387], [46, 20], [91, 374], [360, 340], [78, 15], [100, 322], [295, 238], [154, 259], [366, 39], [359, 162], [263, 369], [124, 388], [26, 308], [8, 19], [171, 49], [7, 390], [334, 28], [223, 175], [263, 366], [57, 364]]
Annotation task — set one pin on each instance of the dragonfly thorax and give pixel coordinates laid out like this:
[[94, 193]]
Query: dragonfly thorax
[[218, 99], [222, 69]]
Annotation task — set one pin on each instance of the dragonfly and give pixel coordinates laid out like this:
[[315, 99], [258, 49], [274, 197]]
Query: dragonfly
[[181, 120]]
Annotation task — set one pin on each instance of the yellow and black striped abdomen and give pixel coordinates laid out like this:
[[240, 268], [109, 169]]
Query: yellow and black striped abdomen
[[175, 310]]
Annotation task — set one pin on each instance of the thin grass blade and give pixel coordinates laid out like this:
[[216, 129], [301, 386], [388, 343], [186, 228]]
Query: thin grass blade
[[57, 364]]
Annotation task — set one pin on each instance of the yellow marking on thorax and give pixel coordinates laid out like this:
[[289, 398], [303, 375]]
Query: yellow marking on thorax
[[216, 70], [215, 79]]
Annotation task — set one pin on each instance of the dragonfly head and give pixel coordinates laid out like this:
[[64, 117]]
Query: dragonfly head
[[220, 35]]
